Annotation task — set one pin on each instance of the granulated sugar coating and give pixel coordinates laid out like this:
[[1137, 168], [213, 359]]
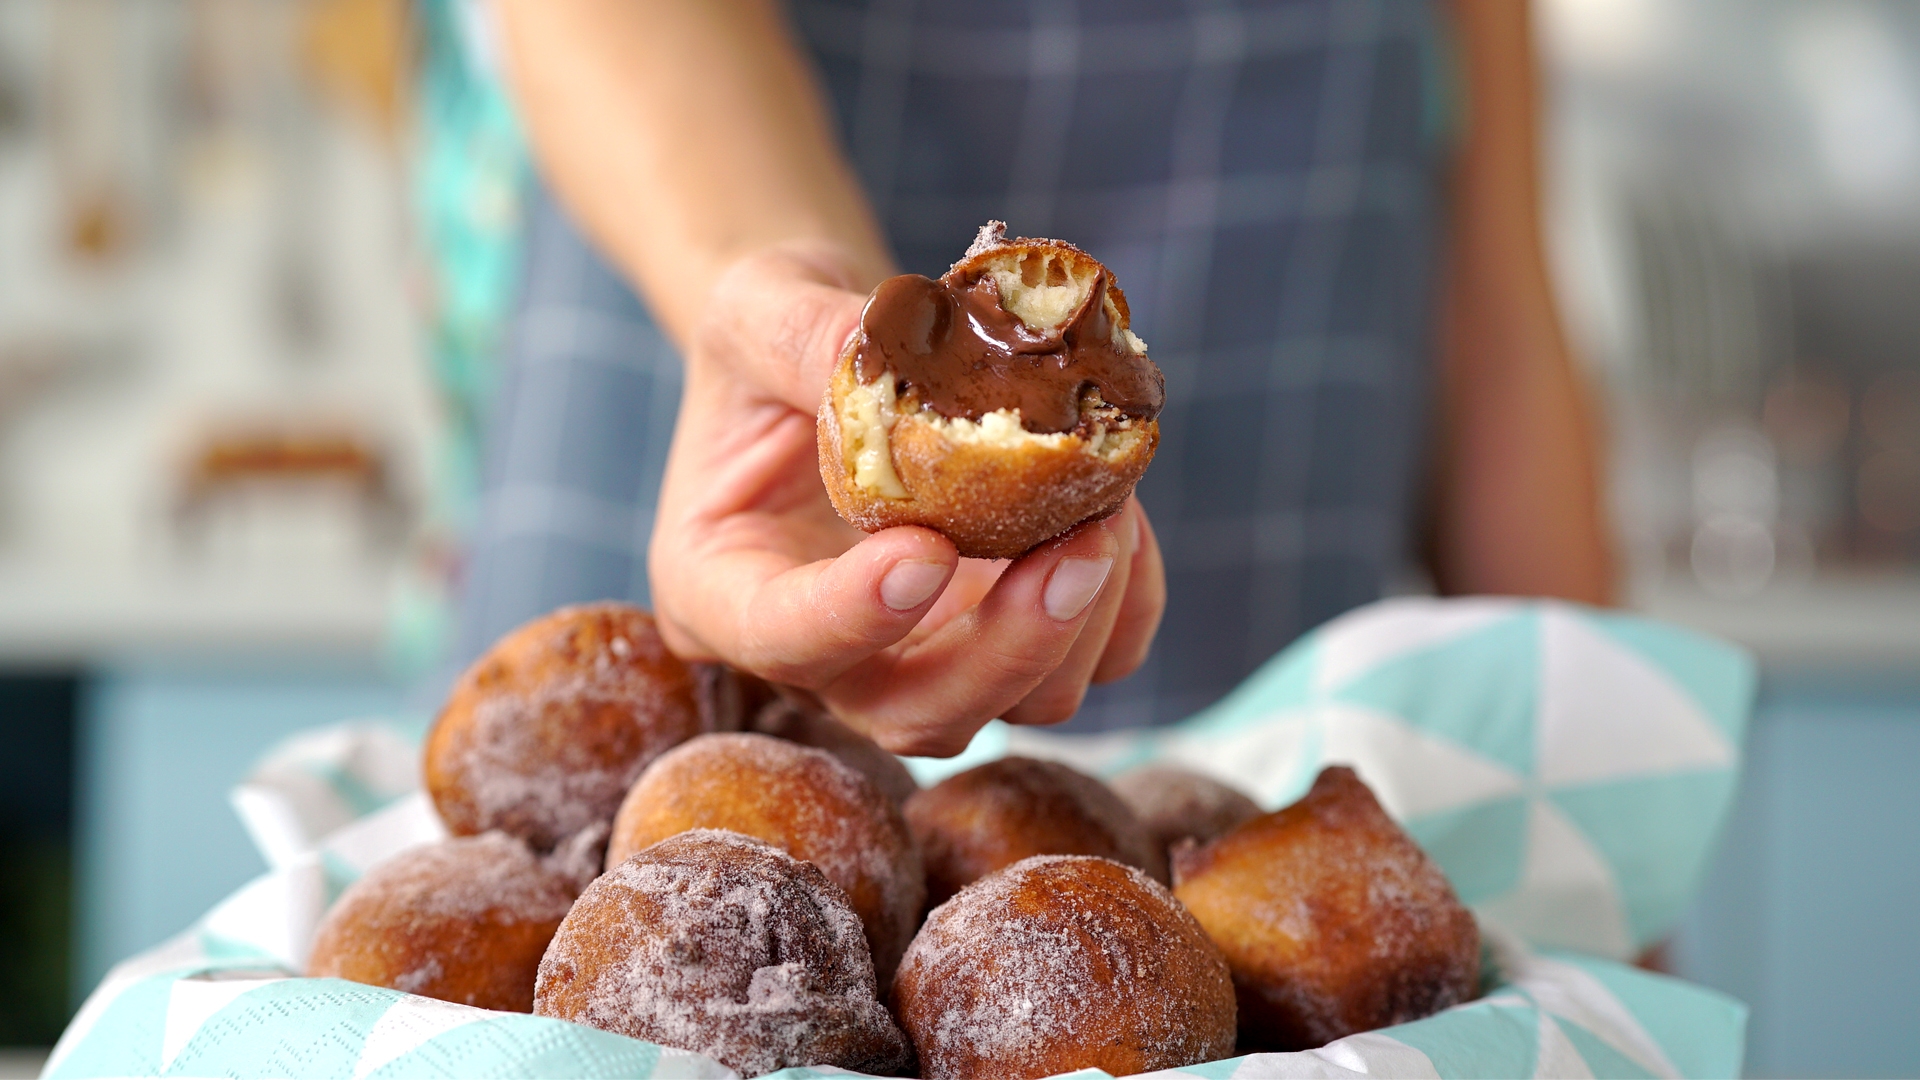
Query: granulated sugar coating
[[543, 735], [802, 800], [1332, 919], [1063, 962], [996, 814], [717, 943], [463, 920], [1177, 804]]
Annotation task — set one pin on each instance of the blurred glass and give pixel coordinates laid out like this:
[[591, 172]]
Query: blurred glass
[[1736, 224]]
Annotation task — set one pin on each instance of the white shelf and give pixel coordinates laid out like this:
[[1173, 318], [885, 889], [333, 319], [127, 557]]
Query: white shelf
[[1845, 620]]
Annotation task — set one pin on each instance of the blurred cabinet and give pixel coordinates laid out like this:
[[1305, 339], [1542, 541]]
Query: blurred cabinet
[[1808, 912]]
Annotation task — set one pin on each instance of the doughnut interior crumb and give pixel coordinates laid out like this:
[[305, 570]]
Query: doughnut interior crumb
[[869, 411], [1045, 289], [866, 418]]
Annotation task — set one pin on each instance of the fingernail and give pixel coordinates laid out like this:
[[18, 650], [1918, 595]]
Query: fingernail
[[1073, 586], [908, 584]]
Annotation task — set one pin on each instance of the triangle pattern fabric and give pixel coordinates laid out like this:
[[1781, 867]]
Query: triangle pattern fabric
[[1718, 677], [1362, 640], [190, 1003], [1601, 1059], [1506, 1044], [1559, 1059], [408, 1025], [1492, 675], [1566, 896], [1482, 848], [252, 1035], [1571, 994], [1700, 1031], [1413, 771], [1655, 832], [1606, 713]]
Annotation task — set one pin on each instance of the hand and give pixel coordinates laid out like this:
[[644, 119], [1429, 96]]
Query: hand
[[894, 632]]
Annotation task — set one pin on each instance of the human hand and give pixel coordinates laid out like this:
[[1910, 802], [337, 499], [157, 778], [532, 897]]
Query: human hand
[[893, 632]]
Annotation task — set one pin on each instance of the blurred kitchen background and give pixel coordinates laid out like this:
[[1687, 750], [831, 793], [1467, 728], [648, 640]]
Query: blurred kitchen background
[[237, 425]]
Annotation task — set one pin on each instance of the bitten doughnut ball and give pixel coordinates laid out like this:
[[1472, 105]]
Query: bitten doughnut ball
[[463, 920], [1176, 804], [1060, 963], [720, 944], [1002, 404], [545, 733], [1332, 919], [802, 800], [994, 815]]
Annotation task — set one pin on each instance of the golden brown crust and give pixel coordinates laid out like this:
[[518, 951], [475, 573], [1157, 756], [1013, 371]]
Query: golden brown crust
[[993, 501], [1060, 963], [1332, 919], [803, 801], [464, 920], [543, 735], [994, 815]]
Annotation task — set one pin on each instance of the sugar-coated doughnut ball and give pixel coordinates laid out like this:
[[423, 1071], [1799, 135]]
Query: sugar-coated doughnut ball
[[463, 920], [994, 815], [789, 720], [1332, 919], [802, 800], [717, 943], [543, 735], [1178, 804], [1058, 963]]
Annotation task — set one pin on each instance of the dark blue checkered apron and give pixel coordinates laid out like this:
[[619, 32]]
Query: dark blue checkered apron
[[1261, 177]]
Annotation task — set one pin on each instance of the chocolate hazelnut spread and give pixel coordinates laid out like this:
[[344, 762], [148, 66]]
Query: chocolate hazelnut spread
[[955, 348]]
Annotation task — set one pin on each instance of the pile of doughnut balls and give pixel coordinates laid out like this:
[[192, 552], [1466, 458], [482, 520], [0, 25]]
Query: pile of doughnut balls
[[681, 854]]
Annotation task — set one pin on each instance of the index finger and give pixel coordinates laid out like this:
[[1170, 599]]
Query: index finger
[[780, 319]]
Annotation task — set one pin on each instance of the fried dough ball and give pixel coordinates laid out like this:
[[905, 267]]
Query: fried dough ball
[[543, 735], [1332, 919], [717, 943], [463, 920], [802, 800], [1003, 404], [1178, 804], [1063, 962], [784, 719], [994, 815]]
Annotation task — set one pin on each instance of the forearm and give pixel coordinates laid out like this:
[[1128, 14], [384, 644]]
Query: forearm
[[1519, 506], [683, 134]]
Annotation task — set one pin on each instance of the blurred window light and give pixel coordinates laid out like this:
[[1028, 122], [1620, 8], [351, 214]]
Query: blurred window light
[[1734, 474], [1605, 35], [1733, 556], [1847, 61]]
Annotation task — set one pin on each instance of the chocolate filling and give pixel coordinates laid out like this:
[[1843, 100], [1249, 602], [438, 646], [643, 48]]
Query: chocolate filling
[[958, 351]]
